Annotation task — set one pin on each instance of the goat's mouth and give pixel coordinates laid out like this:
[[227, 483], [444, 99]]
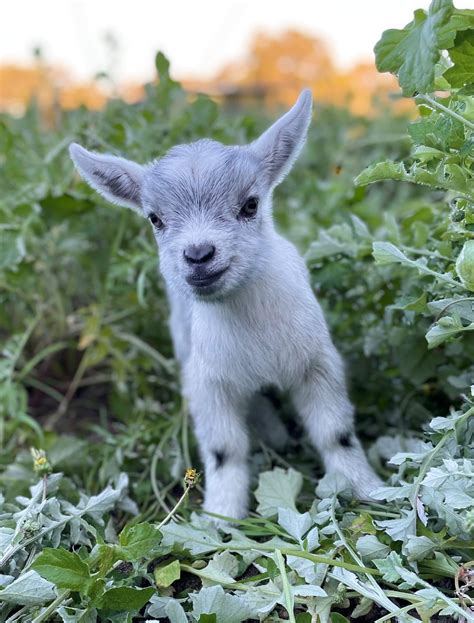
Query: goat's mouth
[[201, 282]]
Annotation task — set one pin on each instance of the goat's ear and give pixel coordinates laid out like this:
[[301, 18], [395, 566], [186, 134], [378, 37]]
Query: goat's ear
[[117, 179], [280, 145]]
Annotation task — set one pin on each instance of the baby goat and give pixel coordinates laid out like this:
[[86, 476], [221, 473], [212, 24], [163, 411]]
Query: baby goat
[[243, 315]]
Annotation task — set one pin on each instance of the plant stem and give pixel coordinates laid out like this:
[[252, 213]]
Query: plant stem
[[286, 586], [447, 110], [175, 508], [43, 616]]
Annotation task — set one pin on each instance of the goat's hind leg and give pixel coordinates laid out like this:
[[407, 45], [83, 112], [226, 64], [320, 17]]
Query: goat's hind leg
[[328, 416], [264, 420]]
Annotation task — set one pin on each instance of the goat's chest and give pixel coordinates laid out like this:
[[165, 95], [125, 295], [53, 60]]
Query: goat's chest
[[269, 342]]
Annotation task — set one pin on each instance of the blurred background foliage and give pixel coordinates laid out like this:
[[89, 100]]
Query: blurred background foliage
[[272, 72]]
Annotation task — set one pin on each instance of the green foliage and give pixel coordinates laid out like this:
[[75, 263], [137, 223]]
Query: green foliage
[[87, 374]]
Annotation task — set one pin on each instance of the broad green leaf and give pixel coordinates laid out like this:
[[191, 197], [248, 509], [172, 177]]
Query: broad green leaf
[[381, 171], [198, 537], [411, 53], [12, 248], [175, 612], [419, 547], [65, 569], [334, 483], [462, 55], [370, 547], [387, 253], [138, 541], [390, 567], [296, 524], [399, 529], [166, 574], [446, 328], [30, 589], [226, 607], [277, 489], [221, 569], [313, 573], [307, 591], [409, 304], [461, 307], [465, 265], [125, 598]]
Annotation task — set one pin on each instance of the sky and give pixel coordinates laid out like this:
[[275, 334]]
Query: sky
[[199, 36]]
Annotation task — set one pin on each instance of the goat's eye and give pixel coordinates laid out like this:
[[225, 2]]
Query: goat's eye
[[249, 208], [155, 220]]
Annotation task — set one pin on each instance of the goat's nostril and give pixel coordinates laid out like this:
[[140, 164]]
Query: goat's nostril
[[199, 253]]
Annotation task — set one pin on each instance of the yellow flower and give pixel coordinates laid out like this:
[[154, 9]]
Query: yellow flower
[[41, 464], [191, 477]]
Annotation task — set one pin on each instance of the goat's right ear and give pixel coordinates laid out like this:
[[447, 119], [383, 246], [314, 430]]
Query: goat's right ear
[[280, 145], [118, 180]]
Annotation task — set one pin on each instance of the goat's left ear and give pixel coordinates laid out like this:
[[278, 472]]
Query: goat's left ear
[[280, 145], [117, 179]]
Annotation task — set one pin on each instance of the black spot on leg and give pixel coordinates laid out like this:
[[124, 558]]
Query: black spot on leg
[[345, 440], [220, 457]]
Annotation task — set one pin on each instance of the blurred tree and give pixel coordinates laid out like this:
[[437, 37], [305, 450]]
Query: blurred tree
[[278, 66], [273, 72]]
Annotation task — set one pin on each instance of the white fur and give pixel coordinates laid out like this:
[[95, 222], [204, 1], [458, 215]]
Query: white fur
[[261, 325]]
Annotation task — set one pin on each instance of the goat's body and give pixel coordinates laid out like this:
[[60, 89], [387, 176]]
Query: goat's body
[[243, 315], [271, 332]]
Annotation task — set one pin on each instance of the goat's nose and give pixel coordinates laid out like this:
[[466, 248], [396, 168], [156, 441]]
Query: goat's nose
[[199, 253]]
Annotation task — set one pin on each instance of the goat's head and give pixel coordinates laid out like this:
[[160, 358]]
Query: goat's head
[[209, 204]]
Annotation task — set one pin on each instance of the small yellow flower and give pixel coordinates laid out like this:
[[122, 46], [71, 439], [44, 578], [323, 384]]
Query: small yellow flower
[[191, 477], [41, 464]]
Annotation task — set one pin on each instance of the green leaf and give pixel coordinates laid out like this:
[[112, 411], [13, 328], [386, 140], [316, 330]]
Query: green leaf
[[175, 612], [225, 607], [419, 547], [446, 328], [125, 598], [387, 253], [29, 589], [277, 489], [296, 524], [222, 569], [380, 171], [65, 569], [370, 547], [12, 248], [390, 567], [166, 574], [198, 537], [399, 529], [162, 65], [462, 55], [411, 53], [141, 540]]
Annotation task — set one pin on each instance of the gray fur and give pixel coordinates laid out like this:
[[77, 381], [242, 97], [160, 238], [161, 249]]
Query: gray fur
[[259, 324]]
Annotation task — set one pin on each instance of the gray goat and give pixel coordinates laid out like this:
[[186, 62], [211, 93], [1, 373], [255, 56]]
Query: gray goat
[[243, 315]]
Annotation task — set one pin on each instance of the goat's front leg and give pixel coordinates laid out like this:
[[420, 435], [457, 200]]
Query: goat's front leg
[[328, 416], [220, 427]]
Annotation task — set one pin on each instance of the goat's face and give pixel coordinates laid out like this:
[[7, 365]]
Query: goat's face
[[209, 208], [209, 204]]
